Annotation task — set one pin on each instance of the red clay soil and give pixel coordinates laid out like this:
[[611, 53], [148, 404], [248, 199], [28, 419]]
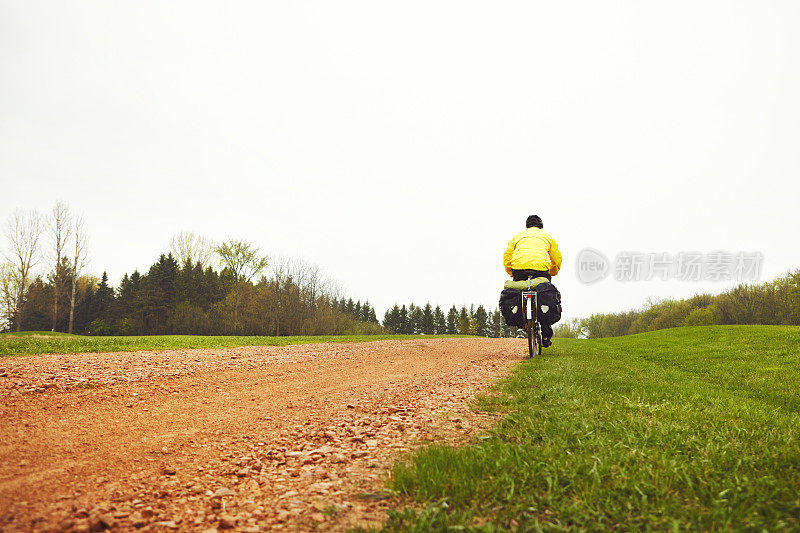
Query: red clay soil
[[246, 439]]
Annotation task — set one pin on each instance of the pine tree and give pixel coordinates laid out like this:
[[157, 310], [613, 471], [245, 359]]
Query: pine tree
[[427, 320], [391, 320], [439, 321], [124, 299], [103, 298], [99, 320], [481, 319], [38, 303], [158, 295], [463, 321], [402, 321], [452, 321], [59, 280], [415, 317]]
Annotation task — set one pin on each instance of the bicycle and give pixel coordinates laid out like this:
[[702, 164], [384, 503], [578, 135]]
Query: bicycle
[[530, 303]]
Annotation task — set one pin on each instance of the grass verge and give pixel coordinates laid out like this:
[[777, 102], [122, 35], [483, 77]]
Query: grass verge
[[42, 342], [689, 428]]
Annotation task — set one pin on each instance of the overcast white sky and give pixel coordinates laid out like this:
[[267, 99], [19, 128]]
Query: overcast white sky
[[401, 145]]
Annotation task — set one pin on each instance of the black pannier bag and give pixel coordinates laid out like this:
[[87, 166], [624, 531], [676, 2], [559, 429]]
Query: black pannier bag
[[548, 296], [511, 307], [549, 299]]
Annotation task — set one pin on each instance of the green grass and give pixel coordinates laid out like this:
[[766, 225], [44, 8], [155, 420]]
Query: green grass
[[41, 342], [689, 428]]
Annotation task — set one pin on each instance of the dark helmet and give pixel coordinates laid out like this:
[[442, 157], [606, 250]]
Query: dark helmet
[[534, 220]]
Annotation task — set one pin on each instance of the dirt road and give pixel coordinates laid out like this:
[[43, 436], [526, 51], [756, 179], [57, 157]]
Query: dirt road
[[251, 439]]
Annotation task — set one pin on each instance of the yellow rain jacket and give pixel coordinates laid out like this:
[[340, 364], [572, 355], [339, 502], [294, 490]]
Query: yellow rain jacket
[[532, 249]]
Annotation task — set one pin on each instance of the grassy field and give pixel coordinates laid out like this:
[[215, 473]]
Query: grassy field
[[40, 342], [689, 428]]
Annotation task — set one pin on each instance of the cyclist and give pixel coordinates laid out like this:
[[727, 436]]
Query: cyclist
[[533, 253]]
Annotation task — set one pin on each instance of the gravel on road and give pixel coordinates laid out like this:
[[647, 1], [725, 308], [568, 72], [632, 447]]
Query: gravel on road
[[247, 439]]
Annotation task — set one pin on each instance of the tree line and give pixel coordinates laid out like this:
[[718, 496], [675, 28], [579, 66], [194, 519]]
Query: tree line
[[427, 320], [197, 287], [191, 299], [775, 302]]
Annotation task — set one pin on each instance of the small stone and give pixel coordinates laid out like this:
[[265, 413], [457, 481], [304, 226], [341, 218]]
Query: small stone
[[66, 525], [227, 522], [319, 505], [222, 492], [318, 517], [338, 458], [169, 471], [169, 524], [101, 522], [137, 520]]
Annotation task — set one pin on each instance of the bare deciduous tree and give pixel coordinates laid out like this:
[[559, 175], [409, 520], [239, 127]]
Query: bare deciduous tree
[[79, 258], [189, 246], [296, 288], [24, 232], [59, 224]]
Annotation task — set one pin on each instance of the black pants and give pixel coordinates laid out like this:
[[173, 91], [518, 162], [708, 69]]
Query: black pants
[[522, 275]]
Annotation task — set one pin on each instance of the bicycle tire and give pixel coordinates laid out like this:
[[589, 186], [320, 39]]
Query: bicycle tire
[[531, 336]]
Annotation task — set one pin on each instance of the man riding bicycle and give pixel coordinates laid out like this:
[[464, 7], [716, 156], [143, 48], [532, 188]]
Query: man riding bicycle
[[533, 253]]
